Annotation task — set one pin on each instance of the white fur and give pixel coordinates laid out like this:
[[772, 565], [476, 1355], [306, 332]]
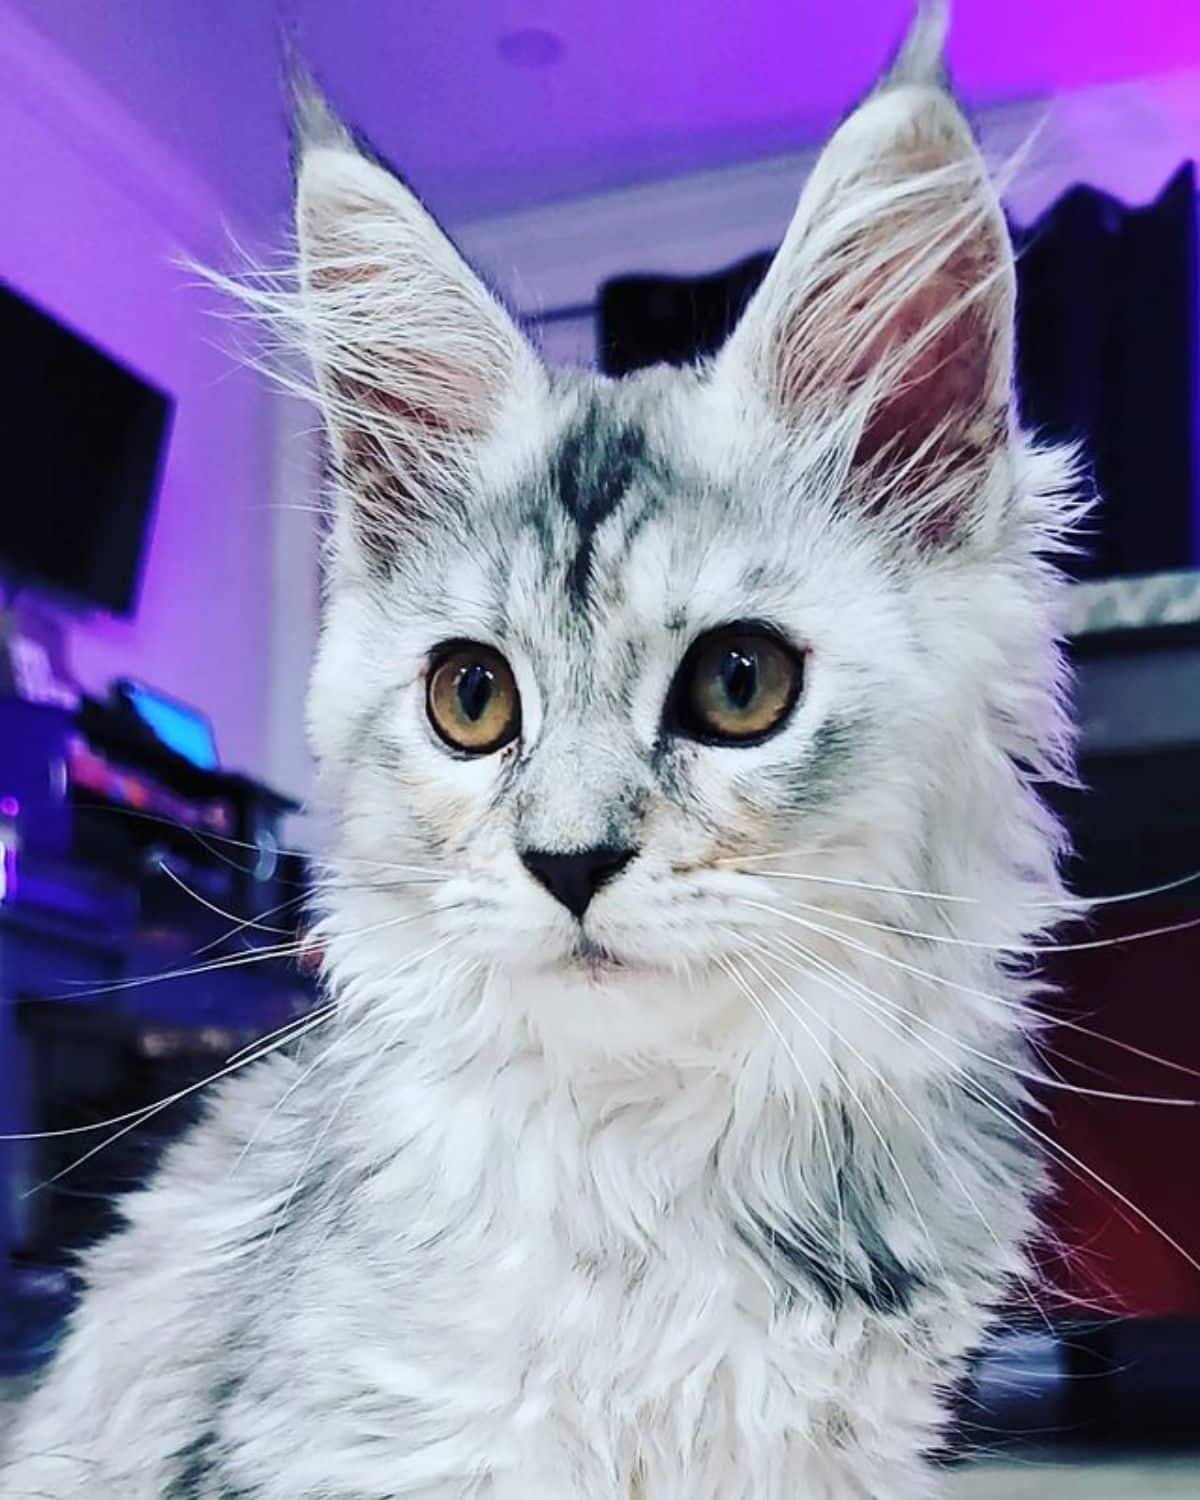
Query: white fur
[[485, 1235]]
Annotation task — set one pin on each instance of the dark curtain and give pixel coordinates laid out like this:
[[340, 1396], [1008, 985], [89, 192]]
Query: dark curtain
[[1108, 333]]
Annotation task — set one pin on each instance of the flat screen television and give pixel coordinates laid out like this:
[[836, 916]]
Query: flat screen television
[[84, 442]]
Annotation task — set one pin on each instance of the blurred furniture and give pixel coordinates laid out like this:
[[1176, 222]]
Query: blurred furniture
[[125, 874], [1135, 827]]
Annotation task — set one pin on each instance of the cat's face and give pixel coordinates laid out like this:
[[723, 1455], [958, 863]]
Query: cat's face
[[604, 660], [630, 664]]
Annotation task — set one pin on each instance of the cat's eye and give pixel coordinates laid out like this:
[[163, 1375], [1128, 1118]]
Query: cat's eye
[[736, 686], [472, 698]]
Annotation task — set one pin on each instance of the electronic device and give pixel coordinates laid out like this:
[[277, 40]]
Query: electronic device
[[178, 726], [85, 440]]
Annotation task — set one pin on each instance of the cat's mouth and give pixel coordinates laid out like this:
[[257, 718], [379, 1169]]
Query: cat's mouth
[[592, 958]]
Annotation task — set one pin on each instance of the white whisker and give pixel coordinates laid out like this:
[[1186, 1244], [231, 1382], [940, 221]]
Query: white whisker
[[242, 923], [835, 1176], [1065, 904], [156, 1109], [976, 944], [1061, 1152], [839, 1073], [1042, 1079], [923, 1129]]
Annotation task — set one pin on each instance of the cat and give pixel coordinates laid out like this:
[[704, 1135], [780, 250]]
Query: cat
[[663, 1133]]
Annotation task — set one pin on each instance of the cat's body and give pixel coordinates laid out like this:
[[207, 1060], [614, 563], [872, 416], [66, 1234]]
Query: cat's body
[[523, 1292], [665, 1140]]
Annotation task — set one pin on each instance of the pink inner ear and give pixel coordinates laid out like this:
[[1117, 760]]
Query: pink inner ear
[[398, 445], [939, 396], [930, 351], [928, 348], [431, 395], [422, 390]]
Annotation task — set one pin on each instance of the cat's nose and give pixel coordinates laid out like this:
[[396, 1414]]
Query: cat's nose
[[574, 878]]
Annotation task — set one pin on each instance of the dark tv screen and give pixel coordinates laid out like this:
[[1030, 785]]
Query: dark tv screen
[[84, 440]]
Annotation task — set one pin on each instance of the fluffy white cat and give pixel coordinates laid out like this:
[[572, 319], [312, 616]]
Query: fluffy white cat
[[663, 1137]]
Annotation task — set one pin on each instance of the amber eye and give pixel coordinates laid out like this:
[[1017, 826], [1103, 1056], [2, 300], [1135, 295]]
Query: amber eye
[[736, 686], [472, 699]]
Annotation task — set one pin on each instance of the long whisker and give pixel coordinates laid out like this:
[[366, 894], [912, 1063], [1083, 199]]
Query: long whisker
[[332, 1117], [977, 944], [976, 993], [338, 1041], [306, 1025], [835, 1176], [1066, 904], [858, 885], [207, 837], [244, 923], [1060, 1151], [819, 969], [156, 1109], [288, 1032], [297, 1026], [241, 923], [1112, 1041], [925, 1132], [866, 1114], [271, 953], [327, 1009], [1041, 1079]]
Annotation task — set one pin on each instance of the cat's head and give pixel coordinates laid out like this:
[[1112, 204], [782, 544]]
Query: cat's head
[[607, 664]]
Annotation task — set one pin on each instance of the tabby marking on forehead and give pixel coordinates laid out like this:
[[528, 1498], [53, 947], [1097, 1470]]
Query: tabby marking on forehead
[[593, 471]]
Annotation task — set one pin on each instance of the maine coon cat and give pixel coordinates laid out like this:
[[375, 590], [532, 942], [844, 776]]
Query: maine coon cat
[[662, 1135]]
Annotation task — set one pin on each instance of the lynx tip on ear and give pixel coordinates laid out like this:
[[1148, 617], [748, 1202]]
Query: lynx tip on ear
[[922, 55]]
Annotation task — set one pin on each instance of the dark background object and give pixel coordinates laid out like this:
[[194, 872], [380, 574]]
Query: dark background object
[[84, 440], [650, 320], [1108, 329], [1107, 324]]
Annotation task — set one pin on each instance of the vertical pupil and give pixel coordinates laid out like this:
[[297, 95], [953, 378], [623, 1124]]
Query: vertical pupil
[[739, 674], [474, 691]]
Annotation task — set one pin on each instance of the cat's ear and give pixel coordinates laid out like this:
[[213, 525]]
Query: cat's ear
[[888, 311], [416, 360]]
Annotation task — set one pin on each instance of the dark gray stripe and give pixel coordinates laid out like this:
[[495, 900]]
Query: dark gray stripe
[[593, 470]]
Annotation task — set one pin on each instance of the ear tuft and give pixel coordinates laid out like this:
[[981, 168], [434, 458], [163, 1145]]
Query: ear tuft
[[314, 121], [921, 57]]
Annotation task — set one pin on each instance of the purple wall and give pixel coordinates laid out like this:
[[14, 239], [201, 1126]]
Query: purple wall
[[94, 216]]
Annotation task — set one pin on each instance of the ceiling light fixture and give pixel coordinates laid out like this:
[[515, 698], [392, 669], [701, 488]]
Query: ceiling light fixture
[[531, 47]]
